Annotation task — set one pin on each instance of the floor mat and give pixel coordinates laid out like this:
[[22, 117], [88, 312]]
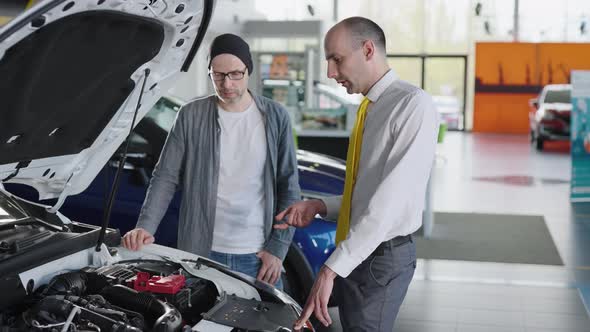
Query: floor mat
[[489, 238]]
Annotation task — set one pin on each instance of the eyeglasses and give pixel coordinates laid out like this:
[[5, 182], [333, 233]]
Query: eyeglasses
[[232, 75]]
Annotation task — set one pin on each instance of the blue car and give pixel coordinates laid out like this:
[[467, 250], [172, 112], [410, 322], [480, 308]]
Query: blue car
[[319, 176]]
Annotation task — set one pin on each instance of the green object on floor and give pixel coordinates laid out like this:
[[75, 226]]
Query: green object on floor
[[498, 238], [442, 129]]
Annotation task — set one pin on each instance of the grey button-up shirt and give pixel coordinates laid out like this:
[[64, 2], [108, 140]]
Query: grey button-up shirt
[[190, 162]]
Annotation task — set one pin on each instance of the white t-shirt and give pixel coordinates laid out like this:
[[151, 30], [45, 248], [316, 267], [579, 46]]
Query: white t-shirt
[[239, 217]]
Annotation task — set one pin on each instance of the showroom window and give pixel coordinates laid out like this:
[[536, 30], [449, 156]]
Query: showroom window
[[281, 44], [554, 21], [446, 26], [492, 20], [578, 21], [295, 10], [401, 21]]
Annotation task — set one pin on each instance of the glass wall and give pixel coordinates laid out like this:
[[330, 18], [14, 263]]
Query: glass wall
[[295, 10], [408, 68], [444, 79], [554, 21], [438, 27], [281, 44]]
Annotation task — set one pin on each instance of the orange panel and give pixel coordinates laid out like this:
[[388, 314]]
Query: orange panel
[[501, 113], [514, 114], [557, 60], [509, 74], [486, 117], [505, 63]]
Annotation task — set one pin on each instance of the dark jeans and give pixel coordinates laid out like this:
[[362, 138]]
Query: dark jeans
[[248, 264], [370, 297]]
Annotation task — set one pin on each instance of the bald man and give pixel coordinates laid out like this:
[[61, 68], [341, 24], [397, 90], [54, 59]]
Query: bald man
[[389, 159]]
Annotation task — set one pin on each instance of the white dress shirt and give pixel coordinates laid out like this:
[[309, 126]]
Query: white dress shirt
[[397, 154]]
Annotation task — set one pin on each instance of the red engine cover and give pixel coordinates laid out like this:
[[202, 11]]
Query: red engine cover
[[162, 285]]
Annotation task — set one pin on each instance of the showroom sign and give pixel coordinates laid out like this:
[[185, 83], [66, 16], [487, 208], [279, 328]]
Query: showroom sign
[[580, 136]]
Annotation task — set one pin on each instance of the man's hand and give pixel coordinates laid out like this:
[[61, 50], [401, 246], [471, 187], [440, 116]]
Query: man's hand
[[300, 214], [270, 270], [136, 238], [317, 302]]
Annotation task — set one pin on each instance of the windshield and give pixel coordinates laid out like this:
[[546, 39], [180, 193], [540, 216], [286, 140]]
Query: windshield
[[558, 96], [164, 113], [4, 214], [9, 210]]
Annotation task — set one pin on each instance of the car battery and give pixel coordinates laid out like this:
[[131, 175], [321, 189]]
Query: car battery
[[169, 285]]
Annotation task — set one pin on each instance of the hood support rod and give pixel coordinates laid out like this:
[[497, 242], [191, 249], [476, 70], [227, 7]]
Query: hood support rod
[[107, 212]]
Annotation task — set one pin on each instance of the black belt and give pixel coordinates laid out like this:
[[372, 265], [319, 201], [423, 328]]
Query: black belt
[[392, 243]]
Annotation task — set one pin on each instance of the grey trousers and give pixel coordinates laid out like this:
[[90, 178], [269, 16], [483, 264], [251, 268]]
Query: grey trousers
[[370, 297]]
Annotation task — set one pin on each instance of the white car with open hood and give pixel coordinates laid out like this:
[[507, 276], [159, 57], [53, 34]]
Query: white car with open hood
[[76, 76]]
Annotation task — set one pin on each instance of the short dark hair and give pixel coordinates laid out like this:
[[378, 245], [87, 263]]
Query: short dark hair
[[363, 29]]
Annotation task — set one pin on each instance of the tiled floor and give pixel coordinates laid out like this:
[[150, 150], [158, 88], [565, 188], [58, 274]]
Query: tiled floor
[[502, 174]]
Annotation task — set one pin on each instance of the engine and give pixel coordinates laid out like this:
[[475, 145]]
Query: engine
[[126, 297]]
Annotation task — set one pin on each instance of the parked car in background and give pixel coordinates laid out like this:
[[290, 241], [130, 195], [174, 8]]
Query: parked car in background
[[319, 176], [550, 114]]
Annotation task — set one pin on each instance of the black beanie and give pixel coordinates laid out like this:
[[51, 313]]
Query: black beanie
[[234, 45]]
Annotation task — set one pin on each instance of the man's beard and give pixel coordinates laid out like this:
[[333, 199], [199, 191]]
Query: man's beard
[[234, 98]]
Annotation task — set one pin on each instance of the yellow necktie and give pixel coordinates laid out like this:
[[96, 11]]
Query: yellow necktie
[[352, 162]]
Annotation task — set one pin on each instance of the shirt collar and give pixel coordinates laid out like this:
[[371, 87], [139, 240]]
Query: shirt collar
[[378, 88]]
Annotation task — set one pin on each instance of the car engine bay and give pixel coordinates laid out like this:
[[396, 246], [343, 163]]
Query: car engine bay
[[139, 295]]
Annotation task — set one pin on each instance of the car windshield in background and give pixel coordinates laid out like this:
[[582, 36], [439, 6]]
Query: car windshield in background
[[4, 215], [558, 96], [164, 113], [9, 210]]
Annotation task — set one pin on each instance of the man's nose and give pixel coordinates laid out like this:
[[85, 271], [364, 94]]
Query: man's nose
[[332, 72], [226, 83]]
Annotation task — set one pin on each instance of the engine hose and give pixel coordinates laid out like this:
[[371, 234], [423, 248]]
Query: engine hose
[[73, 313], [58, 306], [164, 317], [54, 306], [134, 317], [47, 317], [114, 314], [99, 304], [68, 283]]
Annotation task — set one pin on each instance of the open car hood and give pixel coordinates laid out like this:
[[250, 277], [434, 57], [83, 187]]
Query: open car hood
[[73, 74]]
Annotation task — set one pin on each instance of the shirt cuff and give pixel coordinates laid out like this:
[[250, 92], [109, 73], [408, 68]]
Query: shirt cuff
[[332, 207], [148, 226], [340, 263]]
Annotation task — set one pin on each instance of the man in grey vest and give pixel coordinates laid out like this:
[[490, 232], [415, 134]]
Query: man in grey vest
[[232, 154]]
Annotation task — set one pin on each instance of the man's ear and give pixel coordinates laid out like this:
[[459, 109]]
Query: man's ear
[[369, 49]]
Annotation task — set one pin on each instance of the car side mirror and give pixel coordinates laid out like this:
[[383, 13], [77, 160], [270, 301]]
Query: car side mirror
[[534, 103], [136, 164], [140, 177]]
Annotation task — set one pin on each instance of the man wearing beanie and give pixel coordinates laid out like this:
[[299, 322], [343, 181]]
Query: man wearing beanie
[[232, 154]]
